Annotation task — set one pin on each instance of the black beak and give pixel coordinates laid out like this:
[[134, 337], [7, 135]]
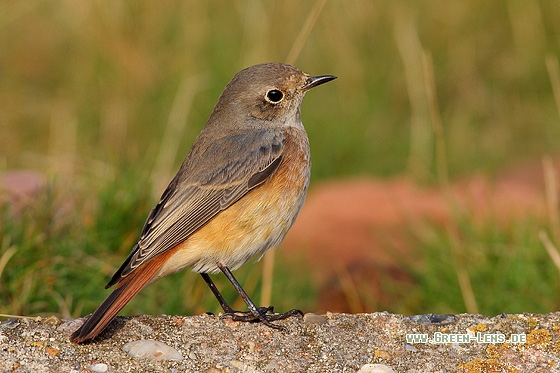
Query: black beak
[[314, 81]]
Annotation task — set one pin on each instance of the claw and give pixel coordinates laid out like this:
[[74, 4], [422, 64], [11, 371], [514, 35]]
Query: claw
[[263, 316]]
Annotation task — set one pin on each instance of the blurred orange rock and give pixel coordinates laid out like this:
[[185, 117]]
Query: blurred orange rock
[[358, 231], [18, 188]]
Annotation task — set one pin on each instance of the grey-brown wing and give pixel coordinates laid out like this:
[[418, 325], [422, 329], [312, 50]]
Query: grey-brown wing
[[210, 180]]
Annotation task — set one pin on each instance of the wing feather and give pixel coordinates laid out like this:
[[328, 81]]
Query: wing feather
[[211, 179]]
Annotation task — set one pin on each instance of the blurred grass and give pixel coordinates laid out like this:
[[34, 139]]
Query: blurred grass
[[92, 80], [507, 269], [91, 93]]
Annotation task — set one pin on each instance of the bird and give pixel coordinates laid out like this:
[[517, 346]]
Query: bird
[[236, 194]]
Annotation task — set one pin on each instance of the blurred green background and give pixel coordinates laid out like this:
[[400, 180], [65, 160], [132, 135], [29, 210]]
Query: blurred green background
[[105, 98]]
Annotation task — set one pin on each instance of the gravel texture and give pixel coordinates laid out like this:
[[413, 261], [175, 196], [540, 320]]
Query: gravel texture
[[374, 342]]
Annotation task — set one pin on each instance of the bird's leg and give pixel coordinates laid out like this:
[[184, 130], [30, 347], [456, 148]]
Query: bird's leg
[[256, 313], [226, 307]]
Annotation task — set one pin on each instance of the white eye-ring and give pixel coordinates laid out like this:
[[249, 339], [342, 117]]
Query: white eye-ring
[[274, 96]]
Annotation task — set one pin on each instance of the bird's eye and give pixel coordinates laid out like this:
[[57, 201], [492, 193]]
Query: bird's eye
[[274, 96]]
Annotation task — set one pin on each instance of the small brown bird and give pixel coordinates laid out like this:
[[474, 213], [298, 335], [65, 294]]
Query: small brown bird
[[235, 196]]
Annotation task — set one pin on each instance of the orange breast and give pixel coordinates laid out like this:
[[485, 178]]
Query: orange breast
[[255, 223]]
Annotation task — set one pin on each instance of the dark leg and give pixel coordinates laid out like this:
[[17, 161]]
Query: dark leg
[[257, 313], [217, 294], [226, 307]]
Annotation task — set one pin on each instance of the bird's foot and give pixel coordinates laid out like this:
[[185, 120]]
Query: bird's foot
[[262, 314]]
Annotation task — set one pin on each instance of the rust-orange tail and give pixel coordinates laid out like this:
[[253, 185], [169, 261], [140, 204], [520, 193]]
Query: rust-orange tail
[[125, 290]]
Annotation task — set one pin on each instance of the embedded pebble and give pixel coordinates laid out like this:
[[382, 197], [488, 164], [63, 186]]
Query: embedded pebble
[[101, 367], [52, 321], [434, 319], [376, 368], [410, 347], [69, 326], [150, 349], [9, 324], [311, 318]]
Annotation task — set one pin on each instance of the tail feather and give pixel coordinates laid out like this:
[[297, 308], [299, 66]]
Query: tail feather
[[126, 289]]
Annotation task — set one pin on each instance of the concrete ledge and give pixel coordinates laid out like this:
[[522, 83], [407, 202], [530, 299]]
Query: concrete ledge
[[318, 343]]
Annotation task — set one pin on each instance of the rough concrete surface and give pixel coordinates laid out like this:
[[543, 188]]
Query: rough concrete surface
[[375, 342]]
